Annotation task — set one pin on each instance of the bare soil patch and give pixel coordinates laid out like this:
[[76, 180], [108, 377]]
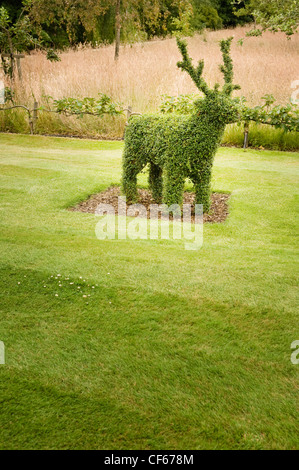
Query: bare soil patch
[[218, 210]]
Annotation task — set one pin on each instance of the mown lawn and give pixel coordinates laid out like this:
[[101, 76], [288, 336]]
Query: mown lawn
[[173, 349]]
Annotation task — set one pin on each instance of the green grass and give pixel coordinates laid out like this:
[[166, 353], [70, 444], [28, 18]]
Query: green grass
[[173, 349]]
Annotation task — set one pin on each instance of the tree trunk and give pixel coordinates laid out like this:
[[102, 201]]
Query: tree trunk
[[12, 57], [117, 29], [19, 69]]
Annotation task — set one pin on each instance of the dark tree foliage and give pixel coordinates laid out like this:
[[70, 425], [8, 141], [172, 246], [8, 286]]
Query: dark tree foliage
[[226, 10], [205, 15], [19, 34], [13, 7], [178, 147], [105, 28], [70, 23]]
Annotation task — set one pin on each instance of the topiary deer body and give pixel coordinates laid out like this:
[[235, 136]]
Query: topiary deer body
[[178, 147]]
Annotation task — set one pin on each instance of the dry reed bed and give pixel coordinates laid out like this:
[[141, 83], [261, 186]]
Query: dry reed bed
[[146, 71]]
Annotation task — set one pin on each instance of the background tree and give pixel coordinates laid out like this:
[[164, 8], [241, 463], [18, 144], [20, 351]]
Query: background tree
[[128, 21], [73, 18], [13, 7], [117, 28], [271, 15], [18, 34], [155, 17], [226, 10], [205, 16], [85, 20]]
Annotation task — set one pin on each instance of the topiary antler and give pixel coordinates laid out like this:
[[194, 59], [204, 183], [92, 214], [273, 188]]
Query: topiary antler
[[195, 73], [227, 68]]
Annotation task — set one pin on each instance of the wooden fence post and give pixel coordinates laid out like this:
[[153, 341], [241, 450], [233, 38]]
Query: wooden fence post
[[246, 131], [129, 113], [35, 111], [33, 117], [13, 58], [19, 69]]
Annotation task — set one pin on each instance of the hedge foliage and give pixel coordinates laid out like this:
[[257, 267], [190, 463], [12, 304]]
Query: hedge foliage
[[92, 106], [284, 117], [181, 146]]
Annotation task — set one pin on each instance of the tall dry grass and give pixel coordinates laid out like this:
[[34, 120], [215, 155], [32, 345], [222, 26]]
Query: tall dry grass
[[145, 71]]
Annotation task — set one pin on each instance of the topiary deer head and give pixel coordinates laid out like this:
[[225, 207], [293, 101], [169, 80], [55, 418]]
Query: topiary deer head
[[218, 105]]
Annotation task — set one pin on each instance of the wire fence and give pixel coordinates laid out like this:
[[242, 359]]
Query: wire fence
[[33, 113]]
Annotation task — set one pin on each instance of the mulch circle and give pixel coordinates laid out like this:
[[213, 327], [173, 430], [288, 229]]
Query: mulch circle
[[218, 210]]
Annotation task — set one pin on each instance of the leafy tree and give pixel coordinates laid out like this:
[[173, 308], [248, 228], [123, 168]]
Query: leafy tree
[[13, 7], [19, 35], [73, 17], [226, 10], [205, 16], [155, 17], [272, 15], [86, 20], [94, 21]]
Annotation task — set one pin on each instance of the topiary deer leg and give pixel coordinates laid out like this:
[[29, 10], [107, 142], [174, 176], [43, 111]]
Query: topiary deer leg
[[155, 181], [131, 168], [202, 191], [173, 184]]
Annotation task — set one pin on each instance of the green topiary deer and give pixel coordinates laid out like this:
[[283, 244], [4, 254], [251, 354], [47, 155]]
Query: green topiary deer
[[178, 147]]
